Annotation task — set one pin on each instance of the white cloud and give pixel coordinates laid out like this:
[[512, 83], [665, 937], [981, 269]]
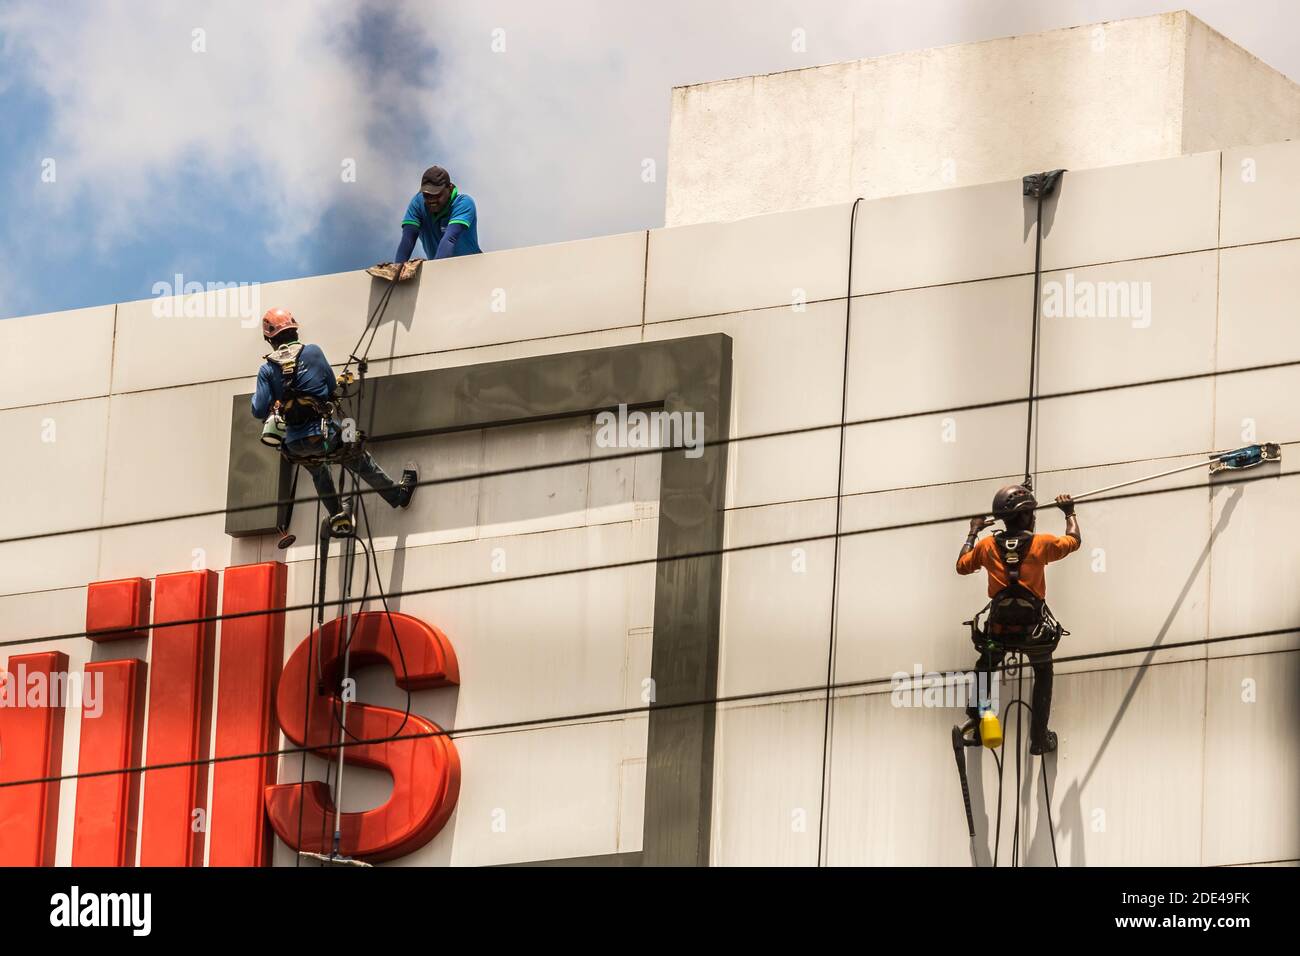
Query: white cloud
[[549, 136], [275, 101]]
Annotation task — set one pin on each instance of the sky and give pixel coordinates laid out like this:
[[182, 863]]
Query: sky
[[240, 141]]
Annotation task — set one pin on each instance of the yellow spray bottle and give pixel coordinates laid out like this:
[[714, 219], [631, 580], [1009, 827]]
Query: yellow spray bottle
[[990, 729]]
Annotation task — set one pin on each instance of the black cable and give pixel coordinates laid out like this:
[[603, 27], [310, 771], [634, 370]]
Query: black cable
[[631, 563], [835, 561], [1047, 796], [713, 443], [1020, 723], [306, 716], [1019, 699], [388, 615], [1033, 341], [623, 712], [997, 839]]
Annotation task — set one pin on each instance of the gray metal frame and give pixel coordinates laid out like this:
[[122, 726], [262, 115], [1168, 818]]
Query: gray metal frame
[[688, 375]]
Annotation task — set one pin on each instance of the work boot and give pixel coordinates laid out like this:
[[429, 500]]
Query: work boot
[[341, 525], [969, 732], [407, 484], [1044, 745]]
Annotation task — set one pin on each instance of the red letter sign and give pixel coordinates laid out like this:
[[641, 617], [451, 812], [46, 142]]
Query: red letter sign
[[31, 747], [108, 805], [252, 649], [425, 770], [180, 714]]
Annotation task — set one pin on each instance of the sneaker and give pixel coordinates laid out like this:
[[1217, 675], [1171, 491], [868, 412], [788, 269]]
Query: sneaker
[[408, 483], [1044, 746]]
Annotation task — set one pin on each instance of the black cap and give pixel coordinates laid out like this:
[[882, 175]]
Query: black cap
[[435, 178]]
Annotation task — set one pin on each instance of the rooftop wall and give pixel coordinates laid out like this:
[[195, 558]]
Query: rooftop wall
[[1084, 97], [1165, 758]]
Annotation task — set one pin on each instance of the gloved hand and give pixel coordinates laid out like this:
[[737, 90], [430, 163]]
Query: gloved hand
[[979, 523], [1066, 504]]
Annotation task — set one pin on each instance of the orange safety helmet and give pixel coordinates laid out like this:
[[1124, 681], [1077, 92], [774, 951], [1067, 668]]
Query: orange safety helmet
[[276, 321]]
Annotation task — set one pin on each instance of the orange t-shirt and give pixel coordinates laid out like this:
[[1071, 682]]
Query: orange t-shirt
[[1043, 550]]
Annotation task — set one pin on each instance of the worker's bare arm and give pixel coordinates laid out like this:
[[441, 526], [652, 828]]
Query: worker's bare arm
[[1066, 504], [977, 524]]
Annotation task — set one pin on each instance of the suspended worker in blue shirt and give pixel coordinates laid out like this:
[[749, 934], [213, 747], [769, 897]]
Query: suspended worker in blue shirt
[[297, 384], [443, 217]]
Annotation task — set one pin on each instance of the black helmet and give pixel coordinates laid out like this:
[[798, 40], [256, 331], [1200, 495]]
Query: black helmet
[[1011, 499]]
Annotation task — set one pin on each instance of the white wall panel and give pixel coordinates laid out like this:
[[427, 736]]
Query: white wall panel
[[1260, 199], [885, 624], [1130, 424], [787, 372], [951, 235], [1257, 305], [42, 564], [551, 793], [1252, 803], [55, 478], [1253, 570], [755, 263], [1128, 322], [222, 338], [767, 783], [168, 451], [1132, 212], [933, 449], [940, 347], [56, 357], [1129, 768], [776, 600], [894, 798], [527, 293]]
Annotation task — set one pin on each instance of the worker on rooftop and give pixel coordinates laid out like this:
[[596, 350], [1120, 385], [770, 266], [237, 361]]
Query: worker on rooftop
[[443, 217]]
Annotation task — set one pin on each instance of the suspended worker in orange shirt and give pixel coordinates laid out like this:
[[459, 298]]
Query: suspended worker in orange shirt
[[1016, 561]]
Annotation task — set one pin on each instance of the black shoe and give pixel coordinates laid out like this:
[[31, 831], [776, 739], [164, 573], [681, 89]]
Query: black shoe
[[968, 733], [1045, 745], [408, 483]]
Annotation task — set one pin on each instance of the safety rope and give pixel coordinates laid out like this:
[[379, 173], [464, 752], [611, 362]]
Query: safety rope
[[1036, 185], [828, 719], [306, 696], [1019, 699], [352, 609]]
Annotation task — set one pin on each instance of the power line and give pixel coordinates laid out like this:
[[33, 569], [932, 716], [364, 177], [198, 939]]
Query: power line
[[717, 442], [615, 565], [624, 712]]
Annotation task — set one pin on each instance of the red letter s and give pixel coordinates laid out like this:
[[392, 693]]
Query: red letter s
[[425, 769]]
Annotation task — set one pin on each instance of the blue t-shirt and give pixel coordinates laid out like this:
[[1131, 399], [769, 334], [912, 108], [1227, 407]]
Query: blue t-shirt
[[459, 209], [314, 376]]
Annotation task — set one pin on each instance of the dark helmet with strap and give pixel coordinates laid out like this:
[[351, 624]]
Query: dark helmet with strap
[[1012, 499]]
